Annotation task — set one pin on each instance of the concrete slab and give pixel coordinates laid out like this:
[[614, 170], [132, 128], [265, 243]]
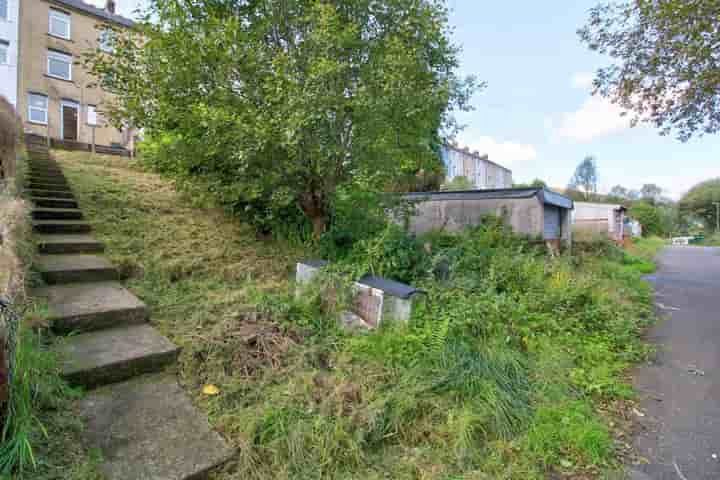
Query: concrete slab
[[148, 429], [114, 355], [92, 306], [68, 243], [47, 202], [64, 187], [61, 226], [75, 268], [57, 214], [51, 193]]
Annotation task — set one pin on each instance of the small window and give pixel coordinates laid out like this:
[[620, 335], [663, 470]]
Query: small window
[[107, 40], [3, 9], [37, 108], [59, 65], [59, 24], [4, 51], [92, 115]]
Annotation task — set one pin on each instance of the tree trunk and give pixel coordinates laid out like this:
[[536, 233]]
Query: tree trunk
[[315, 209]]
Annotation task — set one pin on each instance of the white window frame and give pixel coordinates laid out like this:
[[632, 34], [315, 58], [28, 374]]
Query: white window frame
[[62, 17], [5, 46], [5, 12], [31, 108], [93, 117], [59, 56]]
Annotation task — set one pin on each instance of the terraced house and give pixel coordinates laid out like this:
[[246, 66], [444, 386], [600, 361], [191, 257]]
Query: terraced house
[[56, 97]]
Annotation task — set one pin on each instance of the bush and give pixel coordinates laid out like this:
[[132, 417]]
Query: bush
[[8, 138]]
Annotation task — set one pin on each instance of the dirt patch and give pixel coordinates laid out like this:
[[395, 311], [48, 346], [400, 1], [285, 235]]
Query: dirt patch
[[241, 347]]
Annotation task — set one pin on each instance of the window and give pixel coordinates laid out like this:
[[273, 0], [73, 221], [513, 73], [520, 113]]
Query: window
[[4, 51], [59, 24], [92, 115], [37, 108], [3, 9], [59, 65], [107, 40]]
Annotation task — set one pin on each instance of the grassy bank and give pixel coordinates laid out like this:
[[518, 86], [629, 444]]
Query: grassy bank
[[510, 368]]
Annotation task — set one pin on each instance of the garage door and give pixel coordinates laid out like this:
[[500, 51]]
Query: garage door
[[551, 230]]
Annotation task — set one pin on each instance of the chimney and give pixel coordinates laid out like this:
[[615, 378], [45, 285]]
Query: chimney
[[110, 6]]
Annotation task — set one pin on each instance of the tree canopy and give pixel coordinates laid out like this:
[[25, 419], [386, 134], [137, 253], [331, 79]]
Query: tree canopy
[[585, 177], [666, 70], [275, 105], [700, 202]]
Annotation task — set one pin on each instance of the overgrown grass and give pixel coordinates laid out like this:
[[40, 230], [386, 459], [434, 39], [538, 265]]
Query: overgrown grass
[[500, 373]]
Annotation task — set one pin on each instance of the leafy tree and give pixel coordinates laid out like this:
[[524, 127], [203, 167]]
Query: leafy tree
[[460, 182], [539, 183], [618, 191], [650, 192], [666, 70], [585, 177], [273, 106], [649, 217], [700, 201]]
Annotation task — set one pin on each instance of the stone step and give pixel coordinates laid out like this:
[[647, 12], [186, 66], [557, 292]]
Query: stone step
[[45, 173], [92, 306], [48, 186], [57, 214], [55, 244], [75, 268], [48, 179], [61, 226], [51, 193], [49, 202], [148, 428], [115, 355]]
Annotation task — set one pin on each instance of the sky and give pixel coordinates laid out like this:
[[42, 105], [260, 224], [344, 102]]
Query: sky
[[537, 116]]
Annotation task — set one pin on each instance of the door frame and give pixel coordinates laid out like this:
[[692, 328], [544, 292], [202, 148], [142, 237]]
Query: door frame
[[76, 106]]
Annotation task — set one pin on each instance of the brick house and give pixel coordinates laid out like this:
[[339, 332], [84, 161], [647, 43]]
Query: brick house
[[56, 97]]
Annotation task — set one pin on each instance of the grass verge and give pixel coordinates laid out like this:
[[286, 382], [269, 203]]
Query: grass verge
[[509, 369]]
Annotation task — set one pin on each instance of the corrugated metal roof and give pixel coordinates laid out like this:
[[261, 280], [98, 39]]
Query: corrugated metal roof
[[391, 287], [95, 11], [547, 196]]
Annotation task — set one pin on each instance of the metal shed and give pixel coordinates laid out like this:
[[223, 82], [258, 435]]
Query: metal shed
[[536, 212]]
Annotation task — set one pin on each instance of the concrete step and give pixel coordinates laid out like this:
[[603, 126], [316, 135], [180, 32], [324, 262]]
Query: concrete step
[[51, 193], [48, 186], [49, 202], [147, 428], [57, 214], [55, 244], [61, 226], [115, 355], [75, 268], [92, 306], [45, 173], [48, 179]]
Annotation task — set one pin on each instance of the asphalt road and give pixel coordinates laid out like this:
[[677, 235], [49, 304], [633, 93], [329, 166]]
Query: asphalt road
[[680, 390]]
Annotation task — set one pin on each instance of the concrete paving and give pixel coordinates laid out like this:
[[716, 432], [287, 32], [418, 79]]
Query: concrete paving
[[148, 429], [75, 268], [680, 389], [69, 243]]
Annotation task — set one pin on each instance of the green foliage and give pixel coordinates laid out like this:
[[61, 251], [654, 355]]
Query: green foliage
[[664, 68], [273, 107], [460, 182], [656, 219], [700, 201], [585, 177]]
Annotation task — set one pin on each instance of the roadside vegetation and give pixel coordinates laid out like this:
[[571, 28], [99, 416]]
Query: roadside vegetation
[[512, 366]]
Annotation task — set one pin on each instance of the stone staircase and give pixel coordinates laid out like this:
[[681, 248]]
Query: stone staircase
[[144, 426]]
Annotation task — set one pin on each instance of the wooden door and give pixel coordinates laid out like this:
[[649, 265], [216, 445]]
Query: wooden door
[[70, 122]]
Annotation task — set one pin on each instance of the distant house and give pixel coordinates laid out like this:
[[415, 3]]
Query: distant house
[[591, 220], [536, 212], [477, 168]]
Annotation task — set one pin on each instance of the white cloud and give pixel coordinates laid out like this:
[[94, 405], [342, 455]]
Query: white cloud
[[596, 117], [582, 80], [504, 153]]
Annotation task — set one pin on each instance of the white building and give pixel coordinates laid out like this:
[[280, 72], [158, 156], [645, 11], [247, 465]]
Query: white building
[[477, 168], [592, 219], [9, 17]]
